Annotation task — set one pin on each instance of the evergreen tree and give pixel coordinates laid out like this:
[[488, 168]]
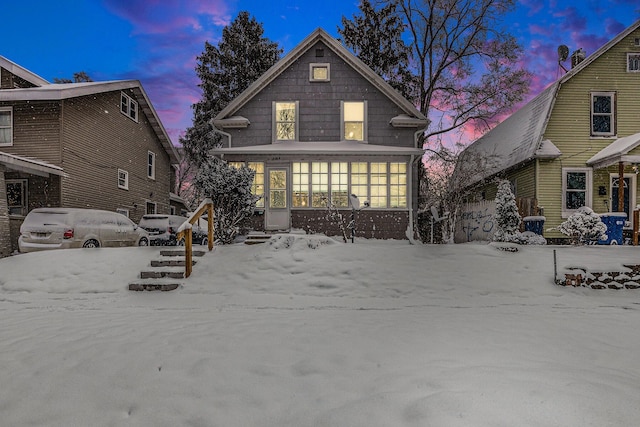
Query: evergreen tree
[[225, 70], [375, 37], [507, 216], [230, 190]]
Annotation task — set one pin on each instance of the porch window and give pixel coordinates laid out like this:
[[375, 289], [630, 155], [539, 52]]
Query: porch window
[[340, 184], [398, 185], [360, 180], [257, 187], [354, 126], [17, 196], [603, 114], [128, 106], [576, 189], [319, 184], [6, 126], [378, 185], [285, 121], [300, 185]]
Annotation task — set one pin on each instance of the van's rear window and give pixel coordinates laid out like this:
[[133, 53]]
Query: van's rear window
[[40, 218]]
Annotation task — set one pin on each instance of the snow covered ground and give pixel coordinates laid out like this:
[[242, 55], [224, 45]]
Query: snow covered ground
[[307, 331]]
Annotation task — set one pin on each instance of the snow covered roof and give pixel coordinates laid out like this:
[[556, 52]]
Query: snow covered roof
[[616, 152], [519, 137], [359, 66], [21, 72], [320, 147], [30, 165]]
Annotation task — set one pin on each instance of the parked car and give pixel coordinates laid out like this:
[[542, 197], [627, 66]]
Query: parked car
[[163, 230], [62, 228]]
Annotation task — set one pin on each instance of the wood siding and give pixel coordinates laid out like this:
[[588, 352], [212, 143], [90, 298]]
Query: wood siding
[[9, 80], [569, 125], [99, 140]]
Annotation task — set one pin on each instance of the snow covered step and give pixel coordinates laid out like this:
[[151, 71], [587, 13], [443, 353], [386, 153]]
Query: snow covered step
[[171, 262], [180, 252], [254, 239], [158, 274], [153, 286]]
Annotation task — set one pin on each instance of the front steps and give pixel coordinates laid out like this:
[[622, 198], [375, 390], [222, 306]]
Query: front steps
[[166, 273]]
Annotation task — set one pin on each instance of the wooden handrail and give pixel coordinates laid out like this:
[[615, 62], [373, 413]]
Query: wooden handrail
[[185, 232]]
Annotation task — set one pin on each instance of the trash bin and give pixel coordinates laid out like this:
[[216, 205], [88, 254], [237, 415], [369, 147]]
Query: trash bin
[[615, 224], [534, 224]]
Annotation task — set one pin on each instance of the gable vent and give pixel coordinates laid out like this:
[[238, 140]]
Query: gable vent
[[319, 53]]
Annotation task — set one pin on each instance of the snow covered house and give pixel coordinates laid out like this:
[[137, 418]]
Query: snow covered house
[[320, 125], [568, 146], [89, 145]]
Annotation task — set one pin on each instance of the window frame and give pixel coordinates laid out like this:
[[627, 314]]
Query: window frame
[[566, 212], [125, 185], [611, 115], [149, 203], [319, 65], [151, 165], [636, 60], [343, 122], [24, 207], [123, 211], [129, 105], [10, 127], [275, 122]]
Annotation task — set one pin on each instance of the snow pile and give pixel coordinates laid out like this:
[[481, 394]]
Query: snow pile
[[307, 331]]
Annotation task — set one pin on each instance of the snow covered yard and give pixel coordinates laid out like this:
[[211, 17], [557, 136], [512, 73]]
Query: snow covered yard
[[307, 331]]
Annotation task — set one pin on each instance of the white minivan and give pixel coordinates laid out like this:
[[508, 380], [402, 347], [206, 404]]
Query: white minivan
[[62, 228]]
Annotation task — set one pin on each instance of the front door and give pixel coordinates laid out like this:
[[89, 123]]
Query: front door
[[277, 212], [628, 183]]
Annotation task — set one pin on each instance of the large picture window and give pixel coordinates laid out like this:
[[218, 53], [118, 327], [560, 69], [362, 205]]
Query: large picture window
[[576, 189], [603, 114], [6, 126]]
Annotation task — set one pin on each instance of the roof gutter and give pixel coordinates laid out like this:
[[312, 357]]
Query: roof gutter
[[220, 131]]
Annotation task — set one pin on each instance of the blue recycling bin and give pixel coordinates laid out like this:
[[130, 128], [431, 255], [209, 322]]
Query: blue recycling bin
[[534, 224], [615, 225]]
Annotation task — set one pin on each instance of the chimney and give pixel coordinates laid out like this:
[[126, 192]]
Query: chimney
[[577, 57]]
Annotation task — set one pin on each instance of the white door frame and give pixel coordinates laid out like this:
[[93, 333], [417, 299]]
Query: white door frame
[[277, 218]]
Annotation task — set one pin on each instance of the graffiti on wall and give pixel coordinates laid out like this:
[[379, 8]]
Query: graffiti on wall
[[476, 222]]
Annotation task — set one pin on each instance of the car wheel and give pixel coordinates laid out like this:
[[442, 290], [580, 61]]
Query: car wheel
[[205, 242], [91, 243], [143, 242]]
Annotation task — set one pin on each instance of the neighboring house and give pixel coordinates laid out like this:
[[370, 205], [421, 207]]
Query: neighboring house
[[89, 145], [569, 145], [320, 125]]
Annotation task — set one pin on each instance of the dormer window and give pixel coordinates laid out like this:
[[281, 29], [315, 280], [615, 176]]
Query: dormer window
[[128, 106], [633, 62], [319, 72]]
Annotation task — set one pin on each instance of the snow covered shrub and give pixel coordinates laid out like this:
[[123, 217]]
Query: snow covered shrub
[[506, 216], [583, 226], [230, 190]]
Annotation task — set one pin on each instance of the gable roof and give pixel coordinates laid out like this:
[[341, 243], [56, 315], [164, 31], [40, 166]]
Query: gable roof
[[60, 91], [616, 152], [319, 35], [21, 72], [519, 137]]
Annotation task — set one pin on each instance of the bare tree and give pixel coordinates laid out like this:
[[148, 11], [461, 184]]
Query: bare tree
[[79, 77]]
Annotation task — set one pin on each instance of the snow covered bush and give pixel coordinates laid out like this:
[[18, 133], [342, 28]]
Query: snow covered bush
[[583, 226], [230, 190], [507, 217]]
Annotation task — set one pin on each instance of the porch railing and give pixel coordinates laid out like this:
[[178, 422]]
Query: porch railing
[[185, 232]]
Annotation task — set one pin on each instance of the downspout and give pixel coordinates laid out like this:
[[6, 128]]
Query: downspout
[[410, 231], [221, 132]]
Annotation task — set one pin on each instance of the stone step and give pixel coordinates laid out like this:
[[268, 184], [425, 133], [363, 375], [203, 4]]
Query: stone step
[[158, 274], [163, 287], [254, 239], [171, 262], [180, 252]]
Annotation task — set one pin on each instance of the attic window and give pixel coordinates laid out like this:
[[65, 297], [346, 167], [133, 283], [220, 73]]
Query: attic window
[[319, 72], [128, 106], [633, 62]]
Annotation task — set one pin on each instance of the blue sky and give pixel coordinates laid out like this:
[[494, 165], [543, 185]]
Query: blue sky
[[157, 41]]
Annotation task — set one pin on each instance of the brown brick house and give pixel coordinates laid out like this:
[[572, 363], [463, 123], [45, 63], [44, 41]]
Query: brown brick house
[[322, 125], [94, 145]]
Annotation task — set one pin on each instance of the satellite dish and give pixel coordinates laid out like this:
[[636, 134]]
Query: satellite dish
[[355, 203], [563, 53]]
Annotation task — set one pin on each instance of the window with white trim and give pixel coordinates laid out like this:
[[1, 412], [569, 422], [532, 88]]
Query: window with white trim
[[603, 114], [17, 196], [576, 189], [285, 121], [354, 120], [6, 126], [150, 207], [397, 185], [340, 184], [319, 184], [123, 179], [319, 72], [257, 187], [151, 165], [128, 106], [378, 187], [300, 185], [123, 211], [633, 62], [360, 180]]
